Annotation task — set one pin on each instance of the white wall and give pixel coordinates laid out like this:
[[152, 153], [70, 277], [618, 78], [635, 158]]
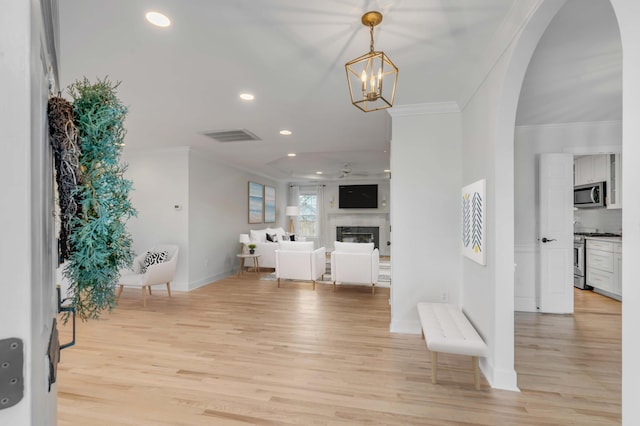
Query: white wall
[[425, 212], [212, 200], [218, 214], [480, 287], [27, 302], [530, 142], [488, 122], [160, 181], [628, 14]]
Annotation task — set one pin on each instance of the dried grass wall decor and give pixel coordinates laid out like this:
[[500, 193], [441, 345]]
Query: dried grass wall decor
[[63, 136]]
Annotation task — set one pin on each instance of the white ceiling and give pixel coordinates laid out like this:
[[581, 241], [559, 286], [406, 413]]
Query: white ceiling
[[184, 81], [575, 74]]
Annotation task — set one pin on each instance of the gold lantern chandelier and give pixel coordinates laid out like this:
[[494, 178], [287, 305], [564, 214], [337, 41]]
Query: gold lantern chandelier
[[372, 77]]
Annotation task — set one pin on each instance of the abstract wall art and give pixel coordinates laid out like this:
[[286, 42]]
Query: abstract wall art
[[255, 202], [474, 221], [269, 204]]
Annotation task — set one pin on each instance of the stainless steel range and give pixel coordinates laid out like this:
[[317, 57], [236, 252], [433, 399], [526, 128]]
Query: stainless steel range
[[579, 269], [579, 257]]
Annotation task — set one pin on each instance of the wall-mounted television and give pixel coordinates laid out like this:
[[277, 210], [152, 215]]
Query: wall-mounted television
[[358, 197]]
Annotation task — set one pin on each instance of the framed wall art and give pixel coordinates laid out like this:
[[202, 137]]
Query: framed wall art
[[473, 221], [255, 202], [269, 204]]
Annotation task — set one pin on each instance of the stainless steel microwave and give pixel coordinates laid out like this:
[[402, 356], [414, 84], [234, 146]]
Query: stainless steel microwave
[[589, 196]]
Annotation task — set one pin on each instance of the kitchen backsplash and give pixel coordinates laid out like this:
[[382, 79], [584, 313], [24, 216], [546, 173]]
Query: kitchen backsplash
[[603, 220]]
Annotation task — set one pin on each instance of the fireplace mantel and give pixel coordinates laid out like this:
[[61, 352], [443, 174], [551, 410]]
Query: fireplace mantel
[[380, 220]]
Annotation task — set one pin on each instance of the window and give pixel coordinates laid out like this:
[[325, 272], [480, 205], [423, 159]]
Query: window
[[308, 205]]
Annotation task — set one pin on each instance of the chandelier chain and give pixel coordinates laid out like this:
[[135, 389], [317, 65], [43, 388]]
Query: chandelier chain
[[371, 33]]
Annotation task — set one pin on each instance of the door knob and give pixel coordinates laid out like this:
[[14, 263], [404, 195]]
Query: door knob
[[547, 240]]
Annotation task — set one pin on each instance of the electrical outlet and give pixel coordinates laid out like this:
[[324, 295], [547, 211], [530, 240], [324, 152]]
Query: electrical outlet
[[444, 296]]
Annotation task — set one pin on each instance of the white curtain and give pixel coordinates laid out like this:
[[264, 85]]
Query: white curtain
[[294, 200], [321, 218]]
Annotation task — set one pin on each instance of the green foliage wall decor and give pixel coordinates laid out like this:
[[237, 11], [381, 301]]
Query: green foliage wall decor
[[100, 242]]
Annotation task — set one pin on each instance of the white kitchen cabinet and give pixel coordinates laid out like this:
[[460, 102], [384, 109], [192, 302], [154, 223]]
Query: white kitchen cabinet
[[617, 268], [604, 260], [614, 182], [600, 280], [591, 168]]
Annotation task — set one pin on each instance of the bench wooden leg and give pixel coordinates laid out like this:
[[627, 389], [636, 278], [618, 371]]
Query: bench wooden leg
[[476, 372], [169, 288], [334, 286], [434, 367], [278, 282], [314, 284]]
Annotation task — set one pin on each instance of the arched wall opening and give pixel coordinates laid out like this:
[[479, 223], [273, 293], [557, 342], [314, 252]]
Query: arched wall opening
[[628, 14]]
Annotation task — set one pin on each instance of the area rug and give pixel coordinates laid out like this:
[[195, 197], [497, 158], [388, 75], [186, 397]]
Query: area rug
[[384, 275]]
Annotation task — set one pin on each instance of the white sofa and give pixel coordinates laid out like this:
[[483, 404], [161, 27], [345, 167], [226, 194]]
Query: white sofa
[[299, 261], [267, 249], [355, 263]]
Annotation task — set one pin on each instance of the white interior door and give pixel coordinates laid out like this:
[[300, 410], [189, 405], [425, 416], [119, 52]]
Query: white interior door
[[555, 239]]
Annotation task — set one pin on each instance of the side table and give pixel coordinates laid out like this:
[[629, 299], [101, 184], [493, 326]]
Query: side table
[[243, 257]]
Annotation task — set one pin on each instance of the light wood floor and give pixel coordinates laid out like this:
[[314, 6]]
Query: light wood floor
[[242, 351]]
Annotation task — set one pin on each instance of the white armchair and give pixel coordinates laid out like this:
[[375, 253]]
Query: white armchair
[[357, 263], [155, 273], [299, 261]]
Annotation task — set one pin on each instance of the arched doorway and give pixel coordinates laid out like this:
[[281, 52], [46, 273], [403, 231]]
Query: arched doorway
[[627, 13]]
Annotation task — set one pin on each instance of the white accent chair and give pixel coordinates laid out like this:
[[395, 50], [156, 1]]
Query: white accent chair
[[156, 274], [297, 260], [267, 249], [356, 263]]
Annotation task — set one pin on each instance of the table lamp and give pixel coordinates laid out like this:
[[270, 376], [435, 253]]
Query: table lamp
[[291, 211], [244, 239]]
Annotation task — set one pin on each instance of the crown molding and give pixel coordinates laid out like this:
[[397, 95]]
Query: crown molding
[[570, 125], [424, 108]]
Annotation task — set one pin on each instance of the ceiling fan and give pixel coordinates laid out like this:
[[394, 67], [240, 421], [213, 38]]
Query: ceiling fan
[[346, 171]]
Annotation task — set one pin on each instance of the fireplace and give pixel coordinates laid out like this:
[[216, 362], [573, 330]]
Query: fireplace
[[358, 234]]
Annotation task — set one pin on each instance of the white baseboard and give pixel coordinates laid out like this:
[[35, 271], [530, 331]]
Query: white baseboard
[[208, 280], [406, 327], [525, 304]]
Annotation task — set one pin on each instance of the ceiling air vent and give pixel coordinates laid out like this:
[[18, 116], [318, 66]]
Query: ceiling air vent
[[232, 135]]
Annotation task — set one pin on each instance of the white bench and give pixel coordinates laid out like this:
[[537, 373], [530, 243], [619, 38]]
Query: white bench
[[446, 329]]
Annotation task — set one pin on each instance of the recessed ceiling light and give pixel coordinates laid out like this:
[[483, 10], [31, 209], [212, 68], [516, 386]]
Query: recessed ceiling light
[[387, 170], [291, 154], [247, 96], [318, 173], [158, 19], [285, 132]]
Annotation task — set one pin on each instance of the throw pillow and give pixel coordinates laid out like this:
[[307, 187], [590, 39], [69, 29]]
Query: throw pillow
[[278, 231], [258, 235], [272, 237], [153, 257]]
